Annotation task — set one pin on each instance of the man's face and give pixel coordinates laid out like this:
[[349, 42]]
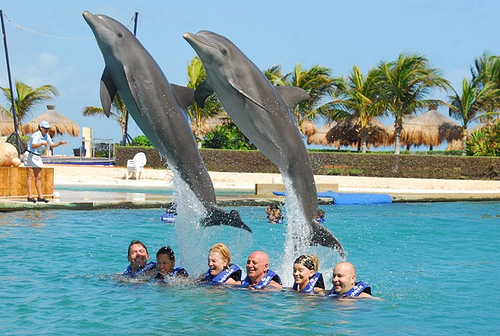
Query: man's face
[[256, 266], [137, 256], [343, 278]]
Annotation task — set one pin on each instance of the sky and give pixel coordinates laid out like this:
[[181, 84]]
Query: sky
[[50, 43]]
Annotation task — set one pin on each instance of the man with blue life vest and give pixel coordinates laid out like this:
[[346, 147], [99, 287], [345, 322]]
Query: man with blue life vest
[[139, 267], [259, 276], [344, 282]]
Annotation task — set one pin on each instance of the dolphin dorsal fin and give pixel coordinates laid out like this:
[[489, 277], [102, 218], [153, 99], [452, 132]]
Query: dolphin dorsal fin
[[107, 92], [183, 95], [292, 95], [202, 92]]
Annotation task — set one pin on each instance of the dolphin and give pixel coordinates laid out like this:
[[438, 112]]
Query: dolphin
[[158, 109], [262, 112]]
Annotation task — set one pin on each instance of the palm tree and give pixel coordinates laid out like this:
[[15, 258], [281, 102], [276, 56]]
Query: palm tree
[[212, 108], [467, 106], [405, 84], [316, 81], [26, 99], [359, 99], [486, 72], [118, 113]]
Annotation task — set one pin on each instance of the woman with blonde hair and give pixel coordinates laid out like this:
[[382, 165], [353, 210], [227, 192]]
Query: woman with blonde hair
[[305, 273], [220, 269]]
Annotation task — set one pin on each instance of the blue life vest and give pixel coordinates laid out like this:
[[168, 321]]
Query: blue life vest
[[266, 280], [222, 276], [354, 291], [175, 272], [309, 288], [140, 272], [168, 217], [320, 220]]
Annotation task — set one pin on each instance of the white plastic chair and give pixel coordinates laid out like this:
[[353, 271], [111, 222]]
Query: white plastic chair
[[136, 165]]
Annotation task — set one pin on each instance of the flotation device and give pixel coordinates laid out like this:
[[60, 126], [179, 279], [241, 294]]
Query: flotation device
[[359, 288], [222, 276], [265, 281], [168, 217], [309, 288], [140, 272], [178, 271]]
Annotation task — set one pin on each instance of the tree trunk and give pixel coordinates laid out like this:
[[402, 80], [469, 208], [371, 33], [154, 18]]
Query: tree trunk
[[397, 145], [464, 141]]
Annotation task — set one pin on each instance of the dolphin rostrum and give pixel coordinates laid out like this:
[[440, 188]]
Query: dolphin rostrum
[[157, 108], [259, 110]]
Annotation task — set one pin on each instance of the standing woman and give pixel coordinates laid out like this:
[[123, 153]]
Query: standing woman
[[33, 160]]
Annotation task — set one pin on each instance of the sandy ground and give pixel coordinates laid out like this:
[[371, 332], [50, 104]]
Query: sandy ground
[[158, 178]]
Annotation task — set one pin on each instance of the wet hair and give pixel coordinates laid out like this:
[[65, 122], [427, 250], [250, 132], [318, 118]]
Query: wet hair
[[167, 250], [310, 262], [138, 242], [321, 213], [223, 250]]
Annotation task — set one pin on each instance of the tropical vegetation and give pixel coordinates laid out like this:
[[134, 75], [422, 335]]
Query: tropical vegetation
[[26, 99]]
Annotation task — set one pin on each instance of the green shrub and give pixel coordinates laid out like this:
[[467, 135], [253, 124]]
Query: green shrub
[[142, 141]]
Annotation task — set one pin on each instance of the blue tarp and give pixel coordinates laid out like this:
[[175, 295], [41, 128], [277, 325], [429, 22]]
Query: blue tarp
[[350, 198]]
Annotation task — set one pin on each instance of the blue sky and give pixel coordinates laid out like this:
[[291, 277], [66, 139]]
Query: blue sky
[[331, 33]]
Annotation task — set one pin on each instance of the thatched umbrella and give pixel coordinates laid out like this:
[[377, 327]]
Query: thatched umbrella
[[430, 129], [319, 138], [308, 127], [6, 125], [59, 124], [347, 133]]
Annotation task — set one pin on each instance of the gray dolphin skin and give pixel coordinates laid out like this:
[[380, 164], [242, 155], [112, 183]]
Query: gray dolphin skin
[[156, 107], [262, 112]]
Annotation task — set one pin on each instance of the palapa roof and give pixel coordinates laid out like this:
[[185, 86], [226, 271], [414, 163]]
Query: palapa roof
[[59, 124], [6, 124], [308, 127], [346, 133], [430, 129], [319, 138]]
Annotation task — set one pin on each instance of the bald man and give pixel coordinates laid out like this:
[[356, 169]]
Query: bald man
[[259, 276], [344, 282]]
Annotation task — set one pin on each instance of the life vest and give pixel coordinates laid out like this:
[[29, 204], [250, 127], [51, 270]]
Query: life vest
[[359, 288], [168, 217], [222, 276], [140, 272], [309, 288], [265, 281], [178, 271]]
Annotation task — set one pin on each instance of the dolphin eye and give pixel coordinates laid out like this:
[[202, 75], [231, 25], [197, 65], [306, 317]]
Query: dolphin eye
[[120, 35]]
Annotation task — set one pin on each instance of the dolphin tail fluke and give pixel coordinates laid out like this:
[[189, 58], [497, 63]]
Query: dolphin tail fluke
[[322, 236], [218, 216]]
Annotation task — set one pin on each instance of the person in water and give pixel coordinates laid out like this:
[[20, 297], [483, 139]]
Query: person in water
[[259, 276], [275, 217], [138, 257], [220, 269], [344, 282], [170, 213], [321, 216], [307, 278], [165, 265]]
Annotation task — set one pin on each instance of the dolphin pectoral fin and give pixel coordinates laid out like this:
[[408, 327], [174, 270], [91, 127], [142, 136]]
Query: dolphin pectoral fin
[[107, 92], [292, 95], [202, 92], [183, 95], [133, 90], [321, 236], [218, 216]]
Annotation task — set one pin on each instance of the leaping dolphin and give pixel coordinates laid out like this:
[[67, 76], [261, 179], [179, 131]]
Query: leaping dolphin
[[157, 108], [259, 110]]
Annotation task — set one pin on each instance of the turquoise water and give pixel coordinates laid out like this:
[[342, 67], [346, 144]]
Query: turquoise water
[[435, 265]]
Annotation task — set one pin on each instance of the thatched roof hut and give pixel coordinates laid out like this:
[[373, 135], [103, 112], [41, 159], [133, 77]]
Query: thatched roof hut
[[308, 127], [59, 124], [430, 129], [6, 125], [319, 138], [347, 133]]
